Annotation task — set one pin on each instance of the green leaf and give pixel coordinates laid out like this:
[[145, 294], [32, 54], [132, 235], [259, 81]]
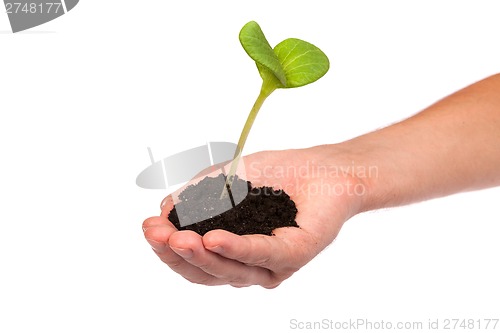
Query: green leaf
[[292, 63], [257, 47], [302, 62]]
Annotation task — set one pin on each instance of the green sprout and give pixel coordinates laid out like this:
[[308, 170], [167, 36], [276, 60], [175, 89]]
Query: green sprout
[[292, 63]]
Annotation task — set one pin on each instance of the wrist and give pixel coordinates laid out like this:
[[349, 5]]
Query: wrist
[[386, 170], [353, 170]]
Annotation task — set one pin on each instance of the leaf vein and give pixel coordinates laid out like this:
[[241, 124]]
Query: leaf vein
[[297, 57]]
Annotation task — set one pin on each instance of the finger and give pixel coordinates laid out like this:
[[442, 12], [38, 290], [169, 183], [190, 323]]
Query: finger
[[270, 252], [154, 222], [157, 232], [225, 270], [166, 205]]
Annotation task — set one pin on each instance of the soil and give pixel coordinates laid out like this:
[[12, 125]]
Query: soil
[[261, 210]]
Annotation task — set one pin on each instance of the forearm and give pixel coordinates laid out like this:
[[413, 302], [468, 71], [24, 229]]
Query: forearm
[[450, 147]]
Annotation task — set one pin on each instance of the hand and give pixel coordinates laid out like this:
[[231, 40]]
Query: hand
[[326, 194]]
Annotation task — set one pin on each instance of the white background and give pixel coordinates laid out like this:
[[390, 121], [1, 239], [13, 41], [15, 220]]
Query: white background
[[82, 97]]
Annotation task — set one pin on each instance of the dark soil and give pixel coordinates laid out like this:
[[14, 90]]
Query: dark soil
[[260, 211]]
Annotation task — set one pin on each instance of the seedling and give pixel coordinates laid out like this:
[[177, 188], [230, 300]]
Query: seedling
[[292, 63], [204, 207]]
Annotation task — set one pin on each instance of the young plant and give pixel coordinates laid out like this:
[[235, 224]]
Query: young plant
[[292, 63]]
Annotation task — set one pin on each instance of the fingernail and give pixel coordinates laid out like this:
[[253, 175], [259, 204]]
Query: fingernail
[[165, 201], [217, 249], [157, 246], [185, 253]]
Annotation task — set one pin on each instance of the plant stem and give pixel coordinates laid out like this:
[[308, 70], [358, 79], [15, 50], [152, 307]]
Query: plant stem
[[265, 91]]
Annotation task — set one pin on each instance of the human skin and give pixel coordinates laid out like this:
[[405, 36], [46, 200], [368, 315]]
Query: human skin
[[450, 147]]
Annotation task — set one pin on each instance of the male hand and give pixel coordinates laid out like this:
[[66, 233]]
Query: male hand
[[325, 194]]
